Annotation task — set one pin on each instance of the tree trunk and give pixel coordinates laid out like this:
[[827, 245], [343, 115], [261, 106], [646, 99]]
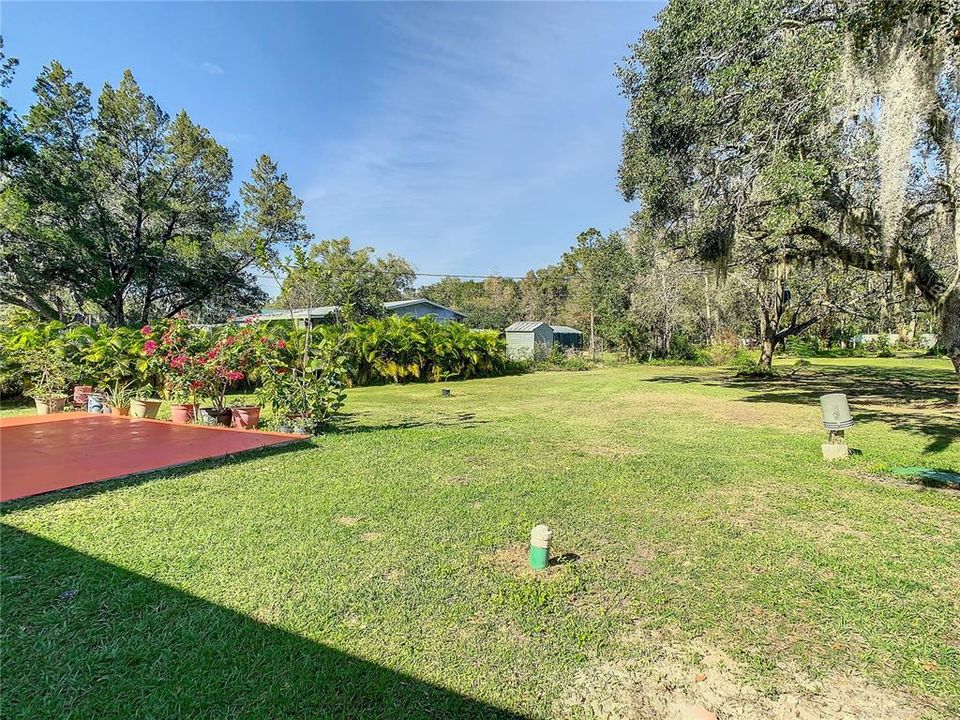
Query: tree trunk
[[768, 341], [708, 315], [949, 338], [593, 343]]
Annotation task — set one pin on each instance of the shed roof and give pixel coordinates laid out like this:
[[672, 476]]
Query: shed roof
[[398, 304], [525, 326], [565, 330]]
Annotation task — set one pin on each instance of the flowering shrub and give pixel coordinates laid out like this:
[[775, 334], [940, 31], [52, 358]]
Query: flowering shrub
[[226, 363], [173, 351]]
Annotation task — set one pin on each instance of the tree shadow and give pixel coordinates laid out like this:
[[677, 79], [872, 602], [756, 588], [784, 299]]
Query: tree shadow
[[101, 486], [84, 638], [351, 424], [872, 392]]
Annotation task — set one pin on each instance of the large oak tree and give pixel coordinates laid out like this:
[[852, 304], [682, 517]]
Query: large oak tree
[[779, 132]]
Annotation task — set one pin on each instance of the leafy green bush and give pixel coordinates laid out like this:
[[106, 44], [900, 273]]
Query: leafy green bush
[[803, 346], [402, 349], [560, 358], [29, 351]]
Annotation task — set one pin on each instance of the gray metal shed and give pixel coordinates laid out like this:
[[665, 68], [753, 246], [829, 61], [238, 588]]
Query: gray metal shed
[[567, 337], [528, 340]]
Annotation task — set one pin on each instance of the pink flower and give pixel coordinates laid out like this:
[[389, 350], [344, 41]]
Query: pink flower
[[196, 385], [265, 340], [212, 353], [178, 362], [281, 343], [146, 330], [149, 347], [229, 340], [248, 321], [234, 375]]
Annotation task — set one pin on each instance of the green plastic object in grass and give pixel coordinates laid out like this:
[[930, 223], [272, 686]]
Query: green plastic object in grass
[[928, 476], [540, 538]]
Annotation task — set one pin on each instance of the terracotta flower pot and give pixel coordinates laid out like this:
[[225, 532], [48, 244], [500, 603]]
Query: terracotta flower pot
[[144, 407], [119, 411], [50, 405], [216, 416], [246, 417], [182, 413], [80, 395]]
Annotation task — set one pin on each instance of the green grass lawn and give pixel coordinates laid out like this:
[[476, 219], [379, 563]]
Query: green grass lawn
[[378, 571]]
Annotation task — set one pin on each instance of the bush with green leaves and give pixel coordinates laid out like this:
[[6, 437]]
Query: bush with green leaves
[[30, 351], [302, 375], [560, 358], [403, 349]]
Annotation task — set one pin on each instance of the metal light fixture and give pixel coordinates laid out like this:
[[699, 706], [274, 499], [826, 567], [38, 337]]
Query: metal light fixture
[[835, 412]]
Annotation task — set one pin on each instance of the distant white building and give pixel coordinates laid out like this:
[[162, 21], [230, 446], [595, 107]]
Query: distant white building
[[924, 340], [864, 338]]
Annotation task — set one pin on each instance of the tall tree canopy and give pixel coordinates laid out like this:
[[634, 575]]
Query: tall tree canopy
[[122, 208], [774, 132], [331, 272]]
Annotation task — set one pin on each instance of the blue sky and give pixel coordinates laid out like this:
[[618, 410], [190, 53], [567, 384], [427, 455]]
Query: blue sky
[[469, 138]]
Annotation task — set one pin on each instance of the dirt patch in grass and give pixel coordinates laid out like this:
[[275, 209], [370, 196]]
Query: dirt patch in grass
[[660, 678], [371, 536], [783, 416], [513, 560], [640, 562], [348, 520]]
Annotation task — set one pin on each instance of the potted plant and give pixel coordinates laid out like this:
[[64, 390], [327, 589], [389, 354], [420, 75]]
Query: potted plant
[[181, 388], [144, 403], [303, 382], [171, 351], [80, 395], [224, 365], [96, 403], [111, 355], [246, 415], [46, 369], [118, 397]]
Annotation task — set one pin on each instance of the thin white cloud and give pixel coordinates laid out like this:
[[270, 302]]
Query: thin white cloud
[[482, 115], [211, 68]]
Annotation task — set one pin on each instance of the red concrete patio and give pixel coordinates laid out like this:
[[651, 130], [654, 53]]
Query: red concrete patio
[[39, 454]]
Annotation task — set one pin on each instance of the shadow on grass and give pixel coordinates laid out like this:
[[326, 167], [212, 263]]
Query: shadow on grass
[[351, 424], [866, 387], [84, 638], [102, 486]]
